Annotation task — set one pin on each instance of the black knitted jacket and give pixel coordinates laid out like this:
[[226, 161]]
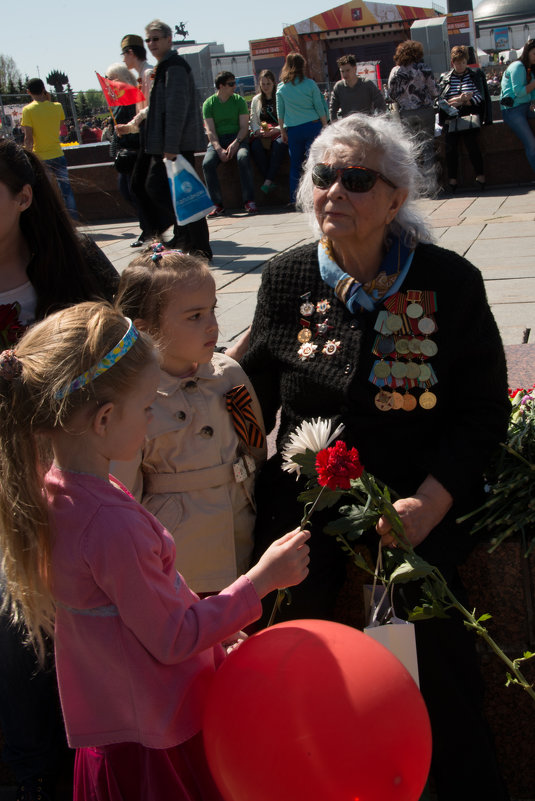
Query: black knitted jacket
[[452, 441]]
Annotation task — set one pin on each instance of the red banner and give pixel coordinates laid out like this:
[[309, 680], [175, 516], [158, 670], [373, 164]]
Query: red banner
[[118, 93]]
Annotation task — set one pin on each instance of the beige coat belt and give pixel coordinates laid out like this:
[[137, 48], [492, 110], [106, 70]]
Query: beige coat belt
[[166, 483]]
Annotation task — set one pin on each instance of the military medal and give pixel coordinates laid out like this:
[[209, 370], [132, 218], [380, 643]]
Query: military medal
[[381, 369], [413, 370], [402, 346], [426, 325], [415, 345], [409, 402], [414, 311], [323, 306], [330, 347], [428, 400], [425, 373], [383, 400], [307, 351], [428, 347], [306, 308], [399, 369], [304, 335], [394, 322], [397, 400]]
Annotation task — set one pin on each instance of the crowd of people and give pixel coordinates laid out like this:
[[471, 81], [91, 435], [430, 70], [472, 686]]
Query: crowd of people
[[131, 448]]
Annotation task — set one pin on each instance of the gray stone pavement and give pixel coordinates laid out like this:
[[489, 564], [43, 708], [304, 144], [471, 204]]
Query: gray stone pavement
[[494, 230]]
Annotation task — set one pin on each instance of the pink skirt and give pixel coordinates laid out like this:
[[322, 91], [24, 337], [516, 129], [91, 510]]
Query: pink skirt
[[131, 772]]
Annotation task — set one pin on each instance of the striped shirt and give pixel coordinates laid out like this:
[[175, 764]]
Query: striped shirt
[[463, 83]]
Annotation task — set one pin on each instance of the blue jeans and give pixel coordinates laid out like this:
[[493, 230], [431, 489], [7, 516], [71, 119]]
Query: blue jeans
[[268, 161], [300, 137], [517, 120], [59, 168], [212, 161]]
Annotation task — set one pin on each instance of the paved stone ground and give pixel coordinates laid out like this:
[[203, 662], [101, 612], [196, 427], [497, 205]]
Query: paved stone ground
[[494, 230]]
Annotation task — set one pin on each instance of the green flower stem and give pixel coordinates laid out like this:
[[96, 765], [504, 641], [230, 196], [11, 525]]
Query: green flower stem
[[474, 623], [284, 593]]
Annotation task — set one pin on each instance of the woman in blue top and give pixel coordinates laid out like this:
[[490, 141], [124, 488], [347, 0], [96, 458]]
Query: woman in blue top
[[518, 86], [301, 111]]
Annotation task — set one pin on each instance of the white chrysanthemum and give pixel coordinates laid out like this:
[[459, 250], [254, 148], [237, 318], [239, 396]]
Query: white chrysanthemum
[[313, 435]]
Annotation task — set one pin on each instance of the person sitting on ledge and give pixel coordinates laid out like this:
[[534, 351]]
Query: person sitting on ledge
[[226, 122]]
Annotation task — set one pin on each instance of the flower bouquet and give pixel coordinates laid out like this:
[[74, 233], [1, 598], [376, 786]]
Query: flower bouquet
[[510, 508], [335, 473]]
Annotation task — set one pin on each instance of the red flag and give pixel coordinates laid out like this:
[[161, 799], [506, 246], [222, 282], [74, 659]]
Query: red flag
[[118, 93]]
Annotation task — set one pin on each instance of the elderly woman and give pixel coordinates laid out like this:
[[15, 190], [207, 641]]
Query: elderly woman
[[376, 327]]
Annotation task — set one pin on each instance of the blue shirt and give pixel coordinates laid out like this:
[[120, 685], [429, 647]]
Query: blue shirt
[[300, 102], [514, 81]]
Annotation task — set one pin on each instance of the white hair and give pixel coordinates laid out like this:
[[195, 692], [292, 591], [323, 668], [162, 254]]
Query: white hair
[[398, 152], [119, 72]]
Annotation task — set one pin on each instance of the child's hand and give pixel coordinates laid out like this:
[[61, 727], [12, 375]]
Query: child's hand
[[284, 564], [234, 642]]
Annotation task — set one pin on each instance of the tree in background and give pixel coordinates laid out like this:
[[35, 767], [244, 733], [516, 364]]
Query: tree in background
[[95, 100], [9, 73]]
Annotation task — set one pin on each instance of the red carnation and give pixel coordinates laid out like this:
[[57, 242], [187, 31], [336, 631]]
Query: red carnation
[[336, 466]]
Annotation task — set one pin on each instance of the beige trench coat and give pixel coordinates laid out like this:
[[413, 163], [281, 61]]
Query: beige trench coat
[[185, 475]]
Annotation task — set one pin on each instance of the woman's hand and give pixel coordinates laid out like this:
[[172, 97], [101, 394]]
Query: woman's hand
[[284, 564], [419, 514], [284, 136]]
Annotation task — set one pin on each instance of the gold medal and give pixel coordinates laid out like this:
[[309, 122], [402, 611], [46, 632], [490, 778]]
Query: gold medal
[[399, 369], [414, 345], [394, 322], [381, 370], [428, 347], [383, 400], [428, 400], [413, 370], [409, 402], [426, 325], [425, 373], [402, 346], [304, 335], [414, 310], [397, 400]]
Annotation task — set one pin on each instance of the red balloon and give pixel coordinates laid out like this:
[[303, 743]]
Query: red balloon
[[311, 710]]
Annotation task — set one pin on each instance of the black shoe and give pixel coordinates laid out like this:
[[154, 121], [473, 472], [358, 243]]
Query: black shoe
[[481, 185], [139, 241], [38, 788]]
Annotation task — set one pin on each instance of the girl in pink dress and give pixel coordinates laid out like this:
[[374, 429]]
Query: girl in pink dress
[[135, 648]]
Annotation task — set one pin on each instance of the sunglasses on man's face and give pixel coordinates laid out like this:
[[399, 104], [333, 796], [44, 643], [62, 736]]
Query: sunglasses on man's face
[[354, 179], [230, 83]]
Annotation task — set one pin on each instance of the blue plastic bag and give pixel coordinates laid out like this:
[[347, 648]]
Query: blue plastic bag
[[191, 200]]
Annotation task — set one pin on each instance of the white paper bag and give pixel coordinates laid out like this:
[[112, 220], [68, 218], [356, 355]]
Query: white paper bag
[[191, 200], [396, 634]]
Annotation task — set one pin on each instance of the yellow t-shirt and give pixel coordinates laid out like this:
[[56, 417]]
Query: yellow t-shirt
[[44, 119]]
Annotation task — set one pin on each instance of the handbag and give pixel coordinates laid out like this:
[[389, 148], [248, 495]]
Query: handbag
[[191, 200], [125, 160], [470, 122]]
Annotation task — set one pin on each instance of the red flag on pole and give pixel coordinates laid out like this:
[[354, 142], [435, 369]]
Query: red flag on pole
[[118, 93]]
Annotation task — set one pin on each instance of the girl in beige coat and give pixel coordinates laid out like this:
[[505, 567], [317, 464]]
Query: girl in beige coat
[[196, 470]]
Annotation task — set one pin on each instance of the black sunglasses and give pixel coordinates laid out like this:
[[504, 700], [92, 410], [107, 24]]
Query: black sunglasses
[[230, 83], [354, 179]]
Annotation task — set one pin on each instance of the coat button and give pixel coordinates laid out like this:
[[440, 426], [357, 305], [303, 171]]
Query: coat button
[[206, 432], [190, 386], [354, 324], [347, 369], [180, 415]]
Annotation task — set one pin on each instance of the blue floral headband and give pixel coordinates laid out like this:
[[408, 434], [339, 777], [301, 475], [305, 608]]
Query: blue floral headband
[[159, 249], [111, 358]]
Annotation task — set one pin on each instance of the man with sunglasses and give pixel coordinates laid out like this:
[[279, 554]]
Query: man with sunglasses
[[226, 122], [173, 127]]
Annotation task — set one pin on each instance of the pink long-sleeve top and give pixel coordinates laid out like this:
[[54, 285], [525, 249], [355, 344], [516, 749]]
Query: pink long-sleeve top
[[135, 647]]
